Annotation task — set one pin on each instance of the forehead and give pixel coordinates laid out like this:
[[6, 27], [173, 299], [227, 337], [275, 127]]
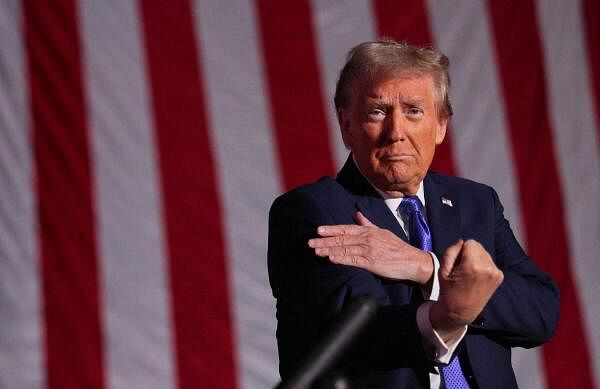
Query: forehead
[[399, 86]]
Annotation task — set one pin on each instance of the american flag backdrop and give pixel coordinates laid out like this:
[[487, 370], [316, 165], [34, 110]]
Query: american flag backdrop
[[142, 143]]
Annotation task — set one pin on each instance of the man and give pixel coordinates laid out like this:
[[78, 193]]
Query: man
[[455, 289]]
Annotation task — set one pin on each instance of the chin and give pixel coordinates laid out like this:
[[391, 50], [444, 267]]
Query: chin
[[401, 180], [399, 174]]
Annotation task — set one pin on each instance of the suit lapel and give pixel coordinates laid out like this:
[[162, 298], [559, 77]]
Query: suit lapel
[[367, 200], [443, 215], [375, 209]]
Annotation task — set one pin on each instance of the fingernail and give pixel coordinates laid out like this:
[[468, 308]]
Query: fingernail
[[311, 243], [321, 230], [319, 251]]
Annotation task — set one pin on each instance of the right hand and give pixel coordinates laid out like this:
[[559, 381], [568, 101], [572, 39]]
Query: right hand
[[374, 249], [468, 277]]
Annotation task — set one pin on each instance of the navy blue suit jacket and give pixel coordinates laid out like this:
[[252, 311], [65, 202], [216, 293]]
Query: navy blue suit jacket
[[310, 290]]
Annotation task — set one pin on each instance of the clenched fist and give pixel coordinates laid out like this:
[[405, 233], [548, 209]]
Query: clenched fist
[[468, 277]]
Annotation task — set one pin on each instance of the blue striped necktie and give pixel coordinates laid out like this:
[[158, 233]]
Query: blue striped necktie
[[420, 237]]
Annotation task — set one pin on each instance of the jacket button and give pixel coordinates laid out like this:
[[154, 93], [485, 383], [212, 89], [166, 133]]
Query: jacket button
[[472, 381], [480, 321]]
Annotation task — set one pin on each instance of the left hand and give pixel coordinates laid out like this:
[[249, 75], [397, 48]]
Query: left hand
[[374, 249], [468, 278]]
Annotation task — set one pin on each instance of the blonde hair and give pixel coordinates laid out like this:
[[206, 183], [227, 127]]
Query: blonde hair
[[373, 61]]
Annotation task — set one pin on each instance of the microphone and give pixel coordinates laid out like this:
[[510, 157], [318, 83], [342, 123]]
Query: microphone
[[353, 319]]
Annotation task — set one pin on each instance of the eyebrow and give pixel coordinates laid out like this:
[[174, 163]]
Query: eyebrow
[[413, 101], [373, 101], [377, 103]]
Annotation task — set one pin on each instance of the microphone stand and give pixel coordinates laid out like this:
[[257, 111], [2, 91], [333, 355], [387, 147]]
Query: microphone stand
[[317, 363]]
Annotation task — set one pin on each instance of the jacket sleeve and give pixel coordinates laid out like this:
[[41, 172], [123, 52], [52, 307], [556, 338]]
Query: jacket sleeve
[[524, 310], [311, 291]]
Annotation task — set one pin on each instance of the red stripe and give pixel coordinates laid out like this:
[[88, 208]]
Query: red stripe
[[192, 211], [294, 86], [522, 73], [401, 22], [66, 220], [398, 21], [591, 16]]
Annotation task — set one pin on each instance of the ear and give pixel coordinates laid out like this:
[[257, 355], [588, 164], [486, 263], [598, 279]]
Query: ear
[[440, 132], [344, 122]]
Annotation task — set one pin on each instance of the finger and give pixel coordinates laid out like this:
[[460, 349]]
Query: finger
[[350, 260], [449, 258], [344, 251], [474, 252], [335, 241], [363, 221], [340, 229], [474, 249]]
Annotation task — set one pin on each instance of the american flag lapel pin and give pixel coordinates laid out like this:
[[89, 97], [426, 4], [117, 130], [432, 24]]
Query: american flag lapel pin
[[446, 201]]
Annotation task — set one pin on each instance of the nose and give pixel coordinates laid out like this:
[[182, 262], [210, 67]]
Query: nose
[[396, 126]]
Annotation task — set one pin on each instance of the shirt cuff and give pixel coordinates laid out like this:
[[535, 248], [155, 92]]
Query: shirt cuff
[[438, 350], [434, 294]]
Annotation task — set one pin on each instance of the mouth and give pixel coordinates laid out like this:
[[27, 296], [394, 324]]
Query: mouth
[[395, 157]]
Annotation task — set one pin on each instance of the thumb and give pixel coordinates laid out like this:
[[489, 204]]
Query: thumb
[[363, 221], [449, 258]]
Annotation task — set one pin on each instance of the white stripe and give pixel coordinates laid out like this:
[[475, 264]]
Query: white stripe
[[339, 26], [481, 144], [576, 146], [133, 272], [21, 343], [480, 137], [248, 175]]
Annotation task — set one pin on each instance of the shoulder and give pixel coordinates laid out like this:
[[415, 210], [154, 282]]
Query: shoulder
[[462, 191], [468, 196], [324, 201], [459, 185], [323, 191]]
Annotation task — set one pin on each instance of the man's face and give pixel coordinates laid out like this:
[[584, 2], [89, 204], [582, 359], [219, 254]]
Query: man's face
[[392, 129]]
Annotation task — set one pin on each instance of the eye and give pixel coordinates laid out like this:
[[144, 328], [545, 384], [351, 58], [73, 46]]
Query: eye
[[414, 112], [376, 114]]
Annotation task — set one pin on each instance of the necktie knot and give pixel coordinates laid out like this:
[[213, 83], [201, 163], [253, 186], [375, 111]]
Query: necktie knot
[[418, 231], [410, 204]]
